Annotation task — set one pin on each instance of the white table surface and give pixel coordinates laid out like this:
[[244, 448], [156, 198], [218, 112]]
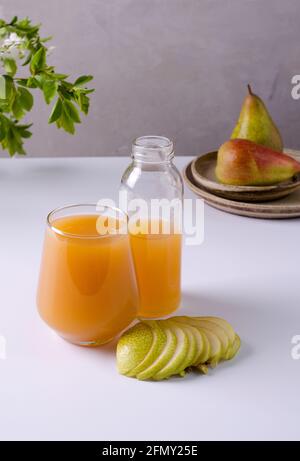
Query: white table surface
[[246, 271]]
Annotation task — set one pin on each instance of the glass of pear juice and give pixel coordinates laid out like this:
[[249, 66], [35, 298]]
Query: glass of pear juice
[[87, 290]]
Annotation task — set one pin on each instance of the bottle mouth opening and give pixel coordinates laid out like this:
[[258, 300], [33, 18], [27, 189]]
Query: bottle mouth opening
[[152, 149]]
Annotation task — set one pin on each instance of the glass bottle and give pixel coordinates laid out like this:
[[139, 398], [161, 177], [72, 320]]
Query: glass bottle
[[152, 193]]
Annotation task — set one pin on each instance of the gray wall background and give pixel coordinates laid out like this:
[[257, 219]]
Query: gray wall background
[[172, 67]]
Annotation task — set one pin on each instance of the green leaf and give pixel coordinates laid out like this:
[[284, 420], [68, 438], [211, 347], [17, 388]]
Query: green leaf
[[65, 93], [46, 39], [59, 76], [56, 111], [25, 127], [25, 98], [27, 59], [10, 90], [10, 66], [14, 20], [83, 79], [26, 134], [40, 80], [24, 24], [72, 112], [2, 130], [17, 109], [84, 103], [23, 130], [11, 135], [2, 87], [32, 82], [49, 90], [14, 134], [2, 134], [10, 142], [86, 91], [38, 60], [66, 122], [22, 81]]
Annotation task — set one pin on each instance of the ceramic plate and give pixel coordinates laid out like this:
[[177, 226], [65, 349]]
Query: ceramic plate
[[287, 207]]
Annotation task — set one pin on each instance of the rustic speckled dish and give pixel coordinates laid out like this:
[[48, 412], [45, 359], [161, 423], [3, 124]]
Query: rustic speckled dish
[[287, 207], [203, 171]]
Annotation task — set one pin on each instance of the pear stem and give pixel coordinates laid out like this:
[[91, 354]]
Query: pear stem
[[250, 90]]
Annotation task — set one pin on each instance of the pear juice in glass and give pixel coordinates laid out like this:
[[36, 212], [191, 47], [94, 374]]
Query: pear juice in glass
[[87, 289]]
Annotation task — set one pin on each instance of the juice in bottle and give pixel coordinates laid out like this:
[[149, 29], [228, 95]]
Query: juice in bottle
[[157, 261]]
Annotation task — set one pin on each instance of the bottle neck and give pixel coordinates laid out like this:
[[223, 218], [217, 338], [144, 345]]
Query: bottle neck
[[152, 150]]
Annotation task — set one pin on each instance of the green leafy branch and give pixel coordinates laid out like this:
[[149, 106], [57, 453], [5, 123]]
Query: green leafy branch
[[21, 44]]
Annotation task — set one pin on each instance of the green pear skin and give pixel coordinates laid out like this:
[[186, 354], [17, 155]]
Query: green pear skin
[[132, 347], [256, 124], [244, 163]]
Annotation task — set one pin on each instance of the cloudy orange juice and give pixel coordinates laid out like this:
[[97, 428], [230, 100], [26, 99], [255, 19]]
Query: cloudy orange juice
[[87, 289]]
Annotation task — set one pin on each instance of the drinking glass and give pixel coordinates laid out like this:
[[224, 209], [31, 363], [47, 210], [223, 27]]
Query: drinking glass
[[87, 288]]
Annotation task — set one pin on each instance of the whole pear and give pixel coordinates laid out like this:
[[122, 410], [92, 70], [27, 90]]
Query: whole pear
[[243, 163], [256, 124]]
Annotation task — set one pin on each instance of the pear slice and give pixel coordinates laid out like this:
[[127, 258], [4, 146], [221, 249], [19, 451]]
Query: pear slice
[[216, 350], [133, 346], [215, 347], [166, 354], [235, 347], [179, 355], [202, 344], [192, 351], [228, 329], [206, 352], [219, 331], [224, 324], [159, 341]]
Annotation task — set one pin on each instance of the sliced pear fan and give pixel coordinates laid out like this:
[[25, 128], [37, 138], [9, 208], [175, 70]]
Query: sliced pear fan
[[158, 349]]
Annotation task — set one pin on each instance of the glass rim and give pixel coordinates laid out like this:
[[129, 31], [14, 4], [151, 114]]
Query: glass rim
[[81, 236]]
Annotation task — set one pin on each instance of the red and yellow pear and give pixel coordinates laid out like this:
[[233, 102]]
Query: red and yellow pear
[[244, 163]]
